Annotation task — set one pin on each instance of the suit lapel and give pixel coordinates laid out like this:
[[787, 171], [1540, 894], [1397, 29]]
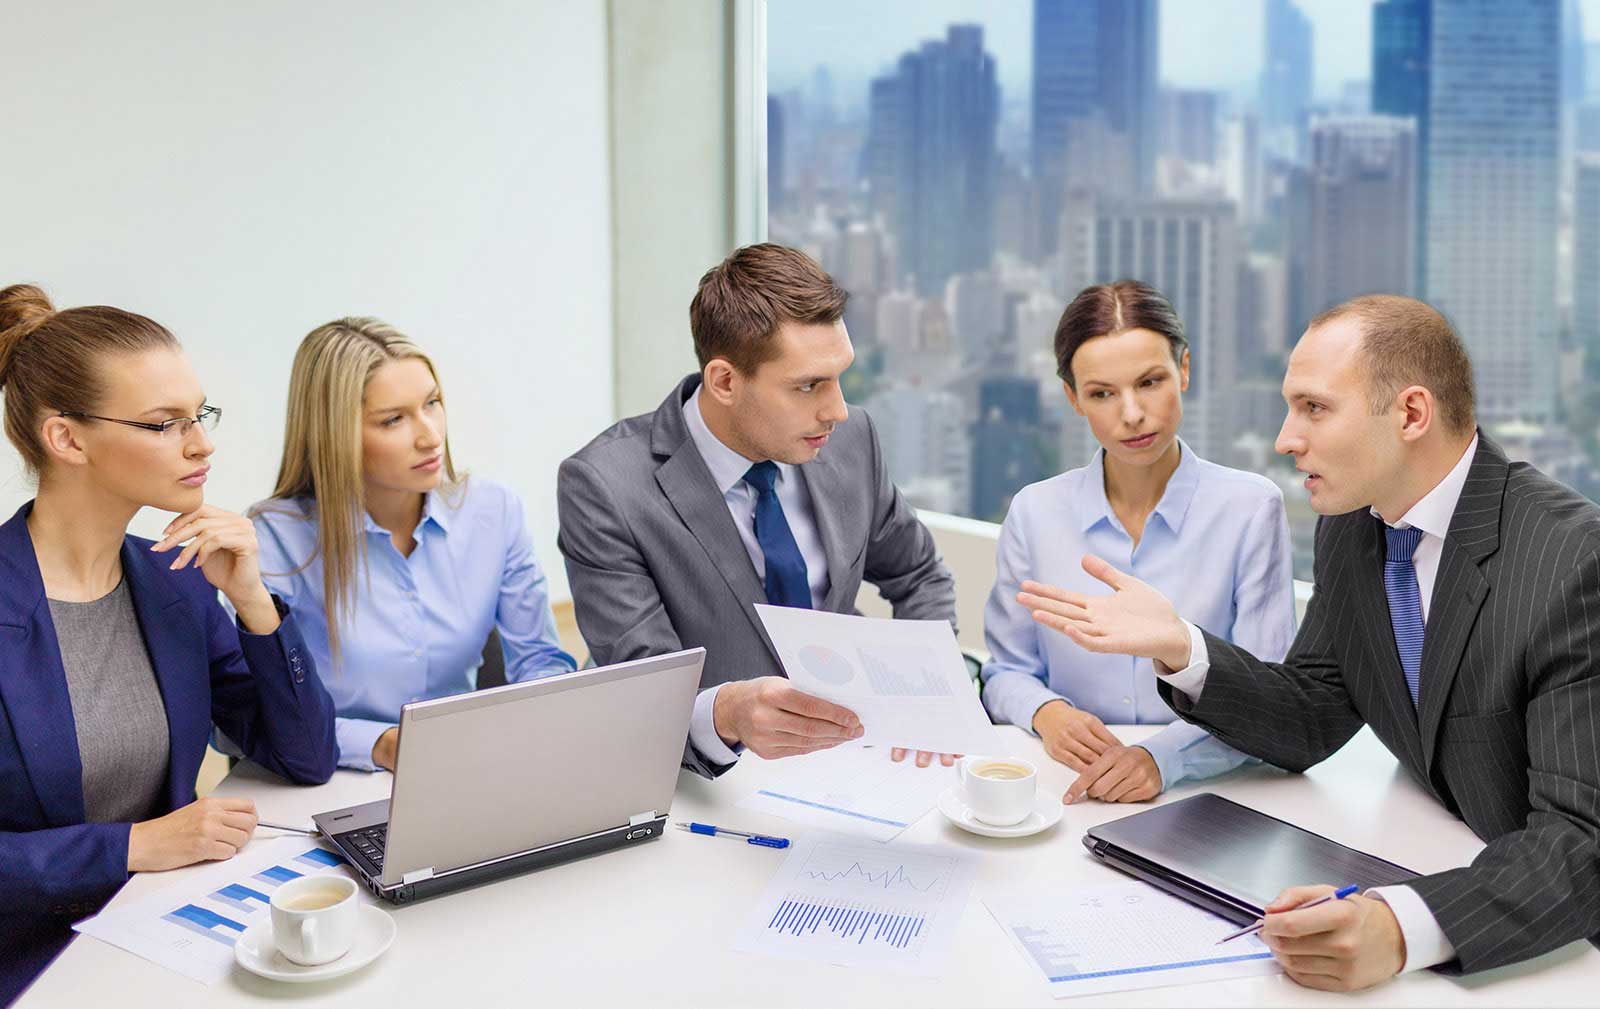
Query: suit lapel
[[1373, 602], [177, 650], [1460, 587], [829, 492], [688, 486], [33, 682]]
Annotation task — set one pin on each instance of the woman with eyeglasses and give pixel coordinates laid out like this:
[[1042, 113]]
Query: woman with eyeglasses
[[115, 656], [396, 568]]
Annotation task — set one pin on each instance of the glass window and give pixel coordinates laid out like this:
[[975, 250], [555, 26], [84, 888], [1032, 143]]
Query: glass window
[[965, 167]]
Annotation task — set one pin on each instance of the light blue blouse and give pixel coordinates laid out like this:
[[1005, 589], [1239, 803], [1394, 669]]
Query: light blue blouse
[[420, 622], [1217, 545]]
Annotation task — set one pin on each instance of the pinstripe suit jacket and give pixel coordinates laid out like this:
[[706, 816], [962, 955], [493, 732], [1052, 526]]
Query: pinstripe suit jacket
[[1507, 730]]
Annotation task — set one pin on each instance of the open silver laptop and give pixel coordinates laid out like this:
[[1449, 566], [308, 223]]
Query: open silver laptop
[[514, 778]]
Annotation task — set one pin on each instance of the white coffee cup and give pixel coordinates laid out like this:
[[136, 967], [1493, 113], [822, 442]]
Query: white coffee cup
[[998, 790], [314, 918]]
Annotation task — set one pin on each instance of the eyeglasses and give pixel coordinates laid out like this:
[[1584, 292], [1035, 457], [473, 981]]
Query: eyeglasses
[[178, 427]]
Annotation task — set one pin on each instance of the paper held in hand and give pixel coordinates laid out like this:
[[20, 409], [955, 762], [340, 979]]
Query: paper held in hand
[[905, 679]]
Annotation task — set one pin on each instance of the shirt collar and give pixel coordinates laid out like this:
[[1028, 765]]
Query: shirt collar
[[727, 466], [434, 509], [1172, 507], [1433, 513]]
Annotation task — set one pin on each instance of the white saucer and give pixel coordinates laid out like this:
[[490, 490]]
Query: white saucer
[[1046, 814], [255, 952]]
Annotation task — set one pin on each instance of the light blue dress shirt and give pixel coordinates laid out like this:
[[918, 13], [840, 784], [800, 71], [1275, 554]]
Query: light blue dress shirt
[[419, 623], [1217, 545]]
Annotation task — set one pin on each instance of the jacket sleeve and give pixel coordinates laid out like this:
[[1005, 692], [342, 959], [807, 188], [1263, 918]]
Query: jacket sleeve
[[266, 696], [902, 559], [1294, 713], [62, 872], [619, 608]]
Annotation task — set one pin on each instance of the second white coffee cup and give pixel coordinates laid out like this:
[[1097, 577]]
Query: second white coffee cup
[[314, 918], [998, 790]]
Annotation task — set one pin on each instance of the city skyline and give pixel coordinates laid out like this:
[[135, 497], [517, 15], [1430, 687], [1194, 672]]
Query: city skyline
[[1190, 32]]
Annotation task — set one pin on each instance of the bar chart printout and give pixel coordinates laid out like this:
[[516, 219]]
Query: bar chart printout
[[1123, 936], [191, 926], [846, 901]]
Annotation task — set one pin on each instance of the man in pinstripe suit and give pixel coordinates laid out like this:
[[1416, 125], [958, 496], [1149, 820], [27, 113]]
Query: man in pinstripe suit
[[1457, 612]]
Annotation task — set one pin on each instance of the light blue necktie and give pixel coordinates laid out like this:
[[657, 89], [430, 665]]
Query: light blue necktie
[[787, 584], [1405, 601]]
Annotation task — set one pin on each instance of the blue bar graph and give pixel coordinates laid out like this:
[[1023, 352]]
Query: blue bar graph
[[202, 922], [274, 876], [238, 896], [319, 859], [847, 922]]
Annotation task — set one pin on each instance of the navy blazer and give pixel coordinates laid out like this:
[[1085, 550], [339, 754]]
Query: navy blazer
[[262, 690]]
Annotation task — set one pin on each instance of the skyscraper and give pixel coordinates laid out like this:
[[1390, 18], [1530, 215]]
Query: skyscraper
[[1008, 443], [776, 138], [1189, 125], [1402, 39], [1091, 59], [1189, 250], [1492, 174], [1362, 211], [930, 156], [1286, 66], [1586, 262]]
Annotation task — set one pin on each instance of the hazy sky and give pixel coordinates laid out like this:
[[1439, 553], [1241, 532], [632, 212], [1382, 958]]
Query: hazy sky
[[1204, 43]]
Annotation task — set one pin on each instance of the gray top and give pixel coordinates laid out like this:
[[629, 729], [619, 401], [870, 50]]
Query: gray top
[[121, 721]]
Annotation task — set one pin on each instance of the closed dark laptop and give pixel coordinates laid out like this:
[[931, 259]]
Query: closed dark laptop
[[1230, 859]]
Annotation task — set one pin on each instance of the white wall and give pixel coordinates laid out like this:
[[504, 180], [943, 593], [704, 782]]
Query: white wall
[[242, 173], [671, 136]]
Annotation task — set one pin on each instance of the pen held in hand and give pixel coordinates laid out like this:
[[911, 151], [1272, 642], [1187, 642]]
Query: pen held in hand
[[1339, 894], [284, 826]]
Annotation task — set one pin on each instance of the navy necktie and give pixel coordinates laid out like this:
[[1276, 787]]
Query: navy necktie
[[787, 584], [1405, 601]]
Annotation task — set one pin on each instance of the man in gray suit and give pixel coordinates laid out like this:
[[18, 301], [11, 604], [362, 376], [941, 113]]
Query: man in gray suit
[[753, 482], [1456, 612]]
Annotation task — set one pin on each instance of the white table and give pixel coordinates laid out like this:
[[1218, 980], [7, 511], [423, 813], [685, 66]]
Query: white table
[[654, 924]]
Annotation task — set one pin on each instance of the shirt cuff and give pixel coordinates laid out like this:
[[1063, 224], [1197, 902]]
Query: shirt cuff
[[703, 730], [1426, 943], [356, 737], [1191, 678]]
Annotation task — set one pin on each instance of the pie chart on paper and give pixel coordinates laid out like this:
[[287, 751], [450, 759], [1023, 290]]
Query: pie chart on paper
[[827, 665]]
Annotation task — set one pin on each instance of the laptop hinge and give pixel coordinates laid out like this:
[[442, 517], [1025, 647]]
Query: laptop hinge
[[638, 818], [416, 876]]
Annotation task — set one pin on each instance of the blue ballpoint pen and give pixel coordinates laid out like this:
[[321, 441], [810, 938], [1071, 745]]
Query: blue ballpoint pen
[[1339, 894], [710, 831]]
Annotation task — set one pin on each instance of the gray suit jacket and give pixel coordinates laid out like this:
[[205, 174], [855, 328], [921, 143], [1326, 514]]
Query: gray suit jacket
[[656, 563], [1507, 733]]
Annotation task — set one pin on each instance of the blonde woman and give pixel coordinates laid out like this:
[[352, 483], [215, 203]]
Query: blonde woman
[[395, 568]]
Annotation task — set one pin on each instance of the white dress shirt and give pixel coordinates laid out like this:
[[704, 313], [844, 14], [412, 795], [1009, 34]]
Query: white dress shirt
[[1426, 943], [727, 471]]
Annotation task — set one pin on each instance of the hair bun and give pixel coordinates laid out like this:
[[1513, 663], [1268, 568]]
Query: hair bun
[[23, 308]]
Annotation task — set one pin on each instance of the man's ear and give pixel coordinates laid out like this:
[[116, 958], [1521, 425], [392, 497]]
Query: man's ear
[[719, 380], [1418, 412]]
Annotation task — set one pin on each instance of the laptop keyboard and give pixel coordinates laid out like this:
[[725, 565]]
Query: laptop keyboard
[[369, 844]]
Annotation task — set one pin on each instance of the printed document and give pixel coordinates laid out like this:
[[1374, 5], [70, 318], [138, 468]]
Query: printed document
[[843, 900], [1122, 936], [905, 679], [853, 790]]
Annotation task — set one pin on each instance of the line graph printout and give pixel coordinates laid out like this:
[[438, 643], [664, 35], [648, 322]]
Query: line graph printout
[[1123, 936], [905, 679], [191, 926], [852, 789], [846, 901]]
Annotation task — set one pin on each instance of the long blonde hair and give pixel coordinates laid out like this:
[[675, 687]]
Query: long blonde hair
[[322, 448]]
